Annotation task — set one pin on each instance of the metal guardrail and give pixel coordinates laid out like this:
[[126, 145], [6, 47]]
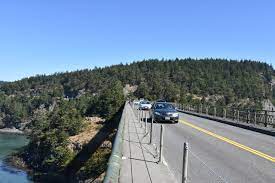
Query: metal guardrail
[[114, 164], [256, 117]]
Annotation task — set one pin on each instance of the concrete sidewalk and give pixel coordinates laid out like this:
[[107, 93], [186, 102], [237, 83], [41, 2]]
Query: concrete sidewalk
[[140, 160]]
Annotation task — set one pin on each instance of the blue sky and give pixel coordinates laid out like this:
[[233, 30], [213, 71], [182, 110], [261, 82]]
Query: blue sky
[[49, 36]]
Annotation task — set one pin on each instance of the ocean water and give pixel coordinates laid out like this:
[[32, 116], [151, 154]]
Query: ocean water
[[10, 143]]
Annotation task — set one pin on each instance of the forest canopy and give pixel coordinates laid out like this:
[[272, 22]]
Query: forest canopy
[[176, 80]]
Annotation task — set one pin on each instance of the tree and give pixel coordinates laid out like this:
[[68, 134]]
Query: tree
[[110, 100], [143, 91]]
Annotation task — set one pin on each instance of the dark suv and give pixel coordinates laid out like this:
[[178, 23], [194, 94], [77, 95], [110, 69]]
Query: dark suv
[[163, 111]]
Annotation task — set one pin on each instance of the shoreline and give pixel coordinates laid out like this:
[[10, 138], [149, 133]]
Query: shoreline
[[14, 161], [12, 131]]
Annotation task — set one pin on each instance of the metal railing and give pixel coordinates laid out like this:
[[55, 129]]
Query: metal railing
[[114, 164], [256, 117]]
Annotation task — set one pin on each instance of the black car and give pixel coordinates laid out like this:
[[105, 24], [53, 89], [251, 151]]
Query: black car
[[163, 111]]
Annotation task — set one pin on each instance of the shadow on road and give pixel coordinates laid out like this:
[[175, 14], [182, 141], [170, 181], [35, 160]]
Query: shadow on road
[[165, 122]]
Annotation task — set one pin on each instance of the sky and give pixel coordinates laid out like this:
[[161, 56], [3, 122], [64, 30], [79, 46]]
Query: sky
[[44, 37]]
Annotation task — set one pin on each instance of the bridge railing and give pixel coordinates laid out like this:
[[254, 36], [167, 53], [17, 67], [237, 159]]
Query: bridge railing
[[114, 164], [256, 117]]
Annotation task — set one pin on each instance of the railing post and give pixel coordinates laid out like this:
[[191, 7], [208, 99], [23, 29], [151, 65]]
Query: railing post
[[255, 118], [248, 116], [201, 108], [141, 118], [145, 123], [161, 144], [234, 114], [215, 111], [261, 118], [238, 115], [206, 110], [224, 113], [151, 130], [141, 115], [265, 119], [185, 163]]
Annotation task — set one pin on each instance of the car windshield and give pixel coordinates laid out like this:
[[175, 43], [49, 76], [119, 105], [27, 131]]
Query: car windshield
[[164, 106], [145, 102]]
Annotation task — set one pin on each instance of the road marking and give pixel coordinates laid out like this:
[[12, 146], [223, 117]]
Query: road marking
[[241, 146]]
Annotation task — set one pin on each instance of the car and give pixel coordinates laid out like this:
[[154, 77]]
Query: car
[[145, 105], [163, 112], [161, 100], [136, 102]]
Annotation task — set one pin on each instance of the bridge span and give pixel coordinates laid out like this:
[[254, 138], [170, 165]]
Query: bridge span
[[218, 152]]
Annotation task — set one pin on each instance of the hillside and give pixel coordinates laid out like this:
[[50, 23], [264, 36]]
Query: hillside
[[216, 80], [53, 109]]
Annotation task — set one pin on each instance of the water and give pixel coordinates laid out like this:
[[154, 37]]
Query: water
[[9, 143]]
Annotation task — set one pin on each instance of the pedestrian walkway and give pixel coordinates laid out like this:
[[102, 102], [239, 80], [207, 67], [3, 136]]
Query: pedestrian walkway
[[140, 159]]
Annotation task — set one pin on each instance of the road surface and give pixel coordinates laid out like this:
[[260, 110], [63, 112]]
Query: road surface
[[218, 152]]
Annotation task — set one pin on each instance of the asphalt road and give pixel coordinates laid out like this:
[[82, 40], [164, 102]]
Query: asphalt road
[[218, 152]]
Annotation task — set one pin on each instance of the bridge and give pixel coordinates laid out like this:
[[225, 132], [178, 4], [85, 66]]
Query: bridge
[[224, 145]]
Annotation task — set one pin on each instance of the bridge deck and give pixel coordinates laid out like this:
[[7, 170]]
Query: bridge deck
[[219, 152], [140, 159]]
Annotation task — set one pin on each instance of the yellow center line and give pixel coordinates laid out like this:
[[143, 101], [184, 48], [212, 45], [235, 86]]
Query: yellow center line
[[241, 146]]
